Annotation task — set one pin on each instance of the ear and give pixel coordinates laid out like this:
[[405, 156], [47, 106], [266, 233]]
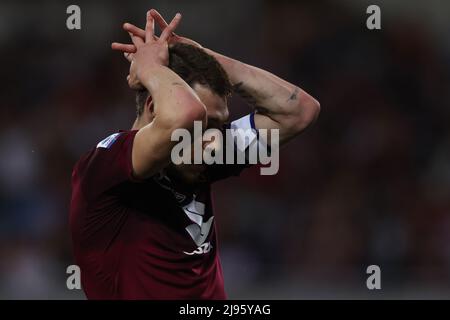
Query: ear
[[150, 106]]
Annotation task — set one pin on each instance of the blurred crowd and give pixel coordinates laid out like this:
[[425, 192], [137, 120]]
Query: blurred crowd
[[369, 183]]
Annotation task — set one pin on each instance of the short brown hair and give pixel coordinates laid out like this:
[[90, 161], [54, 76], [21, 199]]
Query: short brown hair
[[193, 65]]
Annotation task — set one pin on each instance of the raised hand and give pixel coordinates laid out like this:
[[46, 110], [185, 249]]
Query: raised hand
[[134, 31], [148, 50], [174, 38]]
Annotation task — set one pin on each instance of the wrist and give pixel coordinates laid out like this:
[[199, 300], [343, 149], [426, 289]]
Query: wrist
[[150, 76]]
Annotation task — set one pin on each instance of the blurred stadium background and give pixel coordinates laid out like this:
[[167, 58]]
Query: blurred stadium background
[[368, 184]]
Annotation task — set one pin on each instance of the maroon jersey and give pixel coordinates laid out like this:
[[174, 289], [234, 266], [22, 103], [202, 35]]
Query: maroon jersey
[[152, 239]]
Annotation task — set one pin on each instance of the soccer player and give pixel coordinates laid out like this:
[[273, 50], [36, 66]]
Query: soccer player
[[143, 227]]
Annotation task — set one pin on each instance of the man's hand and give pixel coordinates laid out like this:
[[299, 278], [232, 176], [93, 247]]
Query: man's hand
[[150, 51], [136, 32], [174, 38]]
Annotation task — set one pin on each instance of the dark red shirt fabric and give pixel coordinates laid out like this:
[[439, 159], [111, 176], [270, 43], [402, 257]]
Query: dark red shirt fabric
[[153, 239]]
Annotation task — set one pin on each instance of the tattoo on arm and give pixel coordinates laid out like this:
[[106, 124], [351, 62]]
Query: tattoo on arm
[[238, 88], [294, 95]]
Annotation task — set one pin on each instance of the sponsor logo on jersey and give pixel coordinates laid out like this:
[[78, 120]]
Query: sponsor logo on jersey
[[204, 248], [200, 229], [107, 142]]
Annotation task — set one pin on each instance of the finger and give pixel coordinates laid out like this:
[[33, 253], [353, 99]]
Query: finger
[[159, 19], [137, 41], [138, 32], [128, 56], [131, 81], [170, 28], [130, 48], [134, 84], [149, 28]]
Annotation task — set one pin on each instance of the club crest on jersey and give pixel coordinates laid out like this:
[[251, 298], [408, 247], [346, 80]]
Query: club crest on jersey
[[107, 142], [204, 248], [199, 230]]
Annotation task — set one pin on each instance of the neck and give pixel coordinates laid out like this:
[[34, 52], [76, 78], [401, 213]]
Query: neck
[[138, 123]]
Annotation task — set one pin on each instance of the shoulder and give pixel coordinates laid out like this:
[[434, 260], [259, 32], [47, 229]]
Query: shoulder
[[107, 146], [116, 139], [109, 140], [108, 163]]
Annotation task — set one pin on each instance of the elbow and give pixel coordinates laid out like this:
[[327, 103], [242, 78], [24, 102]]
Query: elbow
[[312, 111], [181, 111], [191, 112], [307, 112]]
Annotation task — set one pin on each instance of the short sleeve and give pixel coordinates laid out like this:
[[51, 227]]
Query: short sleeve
[[245, 136], [107, 165]]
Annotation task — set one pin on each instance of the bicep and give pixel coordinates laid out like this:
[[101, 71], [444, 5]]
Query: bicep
[[294, 117], [264, 122]]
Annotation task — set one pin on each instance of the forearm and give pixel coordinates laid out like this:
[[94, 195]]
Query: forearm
[[269, 94], [175, 106], [175, 102], [261, 88]]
